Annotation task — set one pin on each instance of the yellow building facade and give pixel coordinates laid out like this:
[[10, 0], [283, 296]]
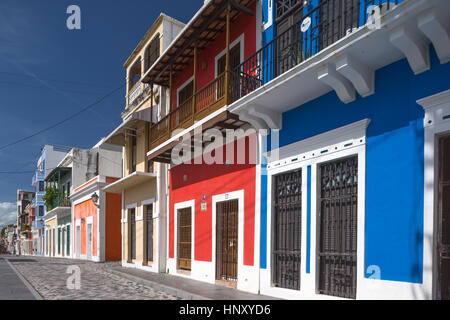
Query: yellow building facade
[[143, 206], [50, 236]]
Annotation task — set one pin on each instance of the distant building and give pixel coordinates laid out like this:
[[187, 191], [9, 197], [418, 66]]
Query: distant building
[[51, 155], [24, 241]]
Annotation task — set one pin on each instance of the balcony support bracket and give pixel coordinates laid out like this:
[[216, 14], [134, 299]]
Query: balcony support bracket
[[413, 45], [437, 30], [341, 85], [272, 118], [256, 122], [361, 76]]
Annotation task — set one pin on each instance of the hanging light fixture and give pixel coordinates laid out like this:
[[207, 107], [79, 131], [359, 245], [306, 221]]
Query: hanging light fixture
[[95, 199]]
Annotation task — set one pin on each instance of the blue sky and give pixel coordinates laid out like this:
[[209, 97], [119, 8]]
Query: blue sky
[[48, 72]]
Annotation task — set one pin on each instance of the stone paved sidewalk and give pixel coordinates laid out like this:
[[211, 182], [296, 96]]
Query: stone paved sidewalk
[[48, 276]]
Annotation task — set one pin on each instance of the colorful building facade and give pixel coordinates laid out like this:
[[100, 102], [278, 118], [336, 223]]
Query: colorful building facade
[[95, 214], [50, 157], [142, 188]]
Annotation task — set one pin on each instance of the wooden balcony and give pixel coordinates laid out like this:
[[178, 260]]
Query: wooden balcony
[[205, 101]]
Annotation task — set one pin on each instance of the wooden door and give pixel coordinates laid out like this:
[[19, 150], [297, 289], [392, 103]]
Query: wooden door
[[184, 239], [132, 237], [227, 240]]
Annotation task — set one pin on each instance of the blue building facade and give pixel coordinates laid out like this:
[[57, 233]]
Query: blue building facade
[[50, 157], [355, 94]]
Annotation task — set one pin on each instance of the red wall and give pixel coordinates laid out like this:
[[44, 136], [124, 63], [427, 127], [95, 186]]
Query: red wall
[[243, 23], [113, 237], [213, 180]]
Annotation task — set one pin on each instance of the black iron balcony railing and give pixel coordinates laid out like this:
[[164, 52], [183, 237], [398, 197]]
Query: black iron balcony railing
[[321, 26]]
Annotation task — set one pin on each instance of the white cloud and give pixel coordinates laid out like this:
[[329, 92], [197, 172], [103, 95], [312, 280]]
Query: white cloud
[[8, 213]]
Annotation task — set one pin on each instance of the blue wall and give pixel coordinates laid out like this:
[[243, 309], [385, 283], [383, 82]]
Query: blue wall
[[395, 161]]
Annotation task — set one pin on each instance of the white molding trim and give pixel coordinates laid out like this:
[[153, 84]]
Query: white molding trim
[[436, 107], [241, 41], [331, 141], [177, 206], [269, 22]]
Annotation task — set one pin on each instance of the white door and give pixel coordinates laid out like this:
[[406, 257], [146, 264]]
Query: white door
[[78, 236], [89, 241]]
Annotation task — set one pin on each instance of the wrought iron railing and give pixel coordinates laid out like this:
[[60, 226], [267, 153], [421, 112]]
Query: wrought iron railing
[[61, 201], [321, 26], [138, 95]]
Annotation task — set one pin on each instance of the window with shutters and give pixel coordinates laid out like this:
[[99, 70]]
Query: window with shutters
[[152, 52]]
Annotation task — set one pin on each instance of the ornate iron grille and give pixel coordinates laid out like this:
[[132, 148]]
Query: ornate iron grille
[[286, 251], [227, 240], [284, 7], [184, 239], [338, 227]]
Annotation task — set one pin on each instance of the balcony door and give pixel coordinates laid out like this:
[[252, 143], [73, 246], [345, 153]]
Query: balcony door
[[289, 41], [444, 219], [337, 18], [235, 61], [184, 104]]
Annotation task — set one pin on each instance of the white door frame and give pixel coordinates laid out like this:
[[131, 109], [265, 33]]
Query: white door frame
[[178, 206]]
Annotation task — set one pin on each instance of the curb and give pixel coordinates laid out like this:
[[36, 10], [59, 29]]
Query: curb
[[184, 295], [25, 281]]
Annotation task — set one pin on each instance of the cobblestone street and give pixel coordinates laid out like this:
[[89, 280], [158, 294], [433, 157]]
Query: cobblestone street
[[49, 278]]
